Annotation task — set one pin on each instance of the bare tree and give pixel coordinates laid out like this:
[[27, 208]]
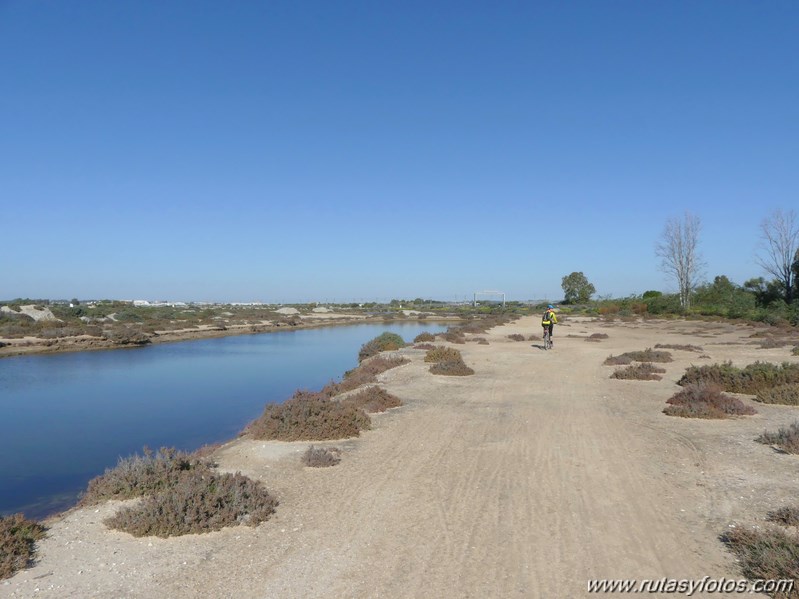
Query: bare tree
[[779, 235], [678, 251]]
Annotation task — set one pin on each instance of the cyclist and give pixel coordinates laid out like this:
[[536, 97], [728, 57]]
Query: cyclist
[[548, 321]]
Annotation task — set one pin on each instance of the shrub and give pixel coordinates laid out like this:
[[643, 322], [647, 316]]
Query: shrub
[[766, 554], [453, 336], [694, 348], [786, 438], [137, 475], [321, 457], [424, 346], [373, 399], [640, 372], [451, 368], [198, 502], [621, 360], [384, 342], [706, 401], [365, 373], [596, 337], [442, 354], [18, 537], [516, 337], [787, 516], [750, 380], [795, 351], [480, 340], [309, 417], [422, 337], [782, 394], [126, 337]]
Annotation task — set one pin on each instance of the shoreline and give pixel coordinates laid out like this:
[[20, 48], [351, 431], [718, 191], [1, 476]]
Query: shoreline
[[30, 346]]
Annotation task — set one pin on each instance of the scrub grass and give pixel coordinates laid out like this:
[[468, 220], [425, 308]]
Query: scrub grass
[[768, 553], [18, 537], [373, 399], [639, 372], [321, 457], [751, 379], [442, 354], [706, 401], [309, 416], [787, 395], [785, 439]]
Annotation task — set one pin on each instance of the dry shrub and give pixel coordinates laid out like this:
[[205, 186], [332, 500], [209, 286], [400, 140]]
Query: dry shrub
[[18, 537], [783, 394], [648, 355], [365, 373], [639, 372], [199, 502], [309, 417], [423, 337], [453, 336], [621, 360], [516, 337], [706, 401], [321, 457], [451, 368], [786, 516], [373, 399], [598, 336], [786, 438], [480, 340], [442, 354], [137, 475], [795, 351], [694, 348], [769, 553], [424, 346]]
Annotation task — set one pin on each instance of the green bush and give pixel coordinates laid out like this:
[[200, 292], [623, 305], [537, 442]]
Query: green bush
[[423, 337], [197, 503], [18, 537], [751, 379], [384, 342], [783, 394]]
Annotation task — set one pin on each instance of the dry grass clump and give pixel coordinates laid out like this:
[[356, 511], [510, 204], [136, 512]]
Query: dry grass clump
[[199, 502], [424, 346], [309, 416], [422, 337], [621, 360], [648, 355], [750, 379], [480, 340], [770, 554], [795, 351], [786, 438], [453, 336], [18, 537], [706, 401], [639, 372], [365, 373], [373, 399], [383, 342], [321, 457], [516, 337], [442, 354], [596, 337], [694, 348], [783, 394], [786, 516], [137, 475], [451, 368]]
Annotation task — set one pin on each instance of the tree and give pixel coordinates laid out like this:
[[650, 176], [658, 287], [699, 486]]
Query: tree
[[576, 288], [779, 236], [678, 251]]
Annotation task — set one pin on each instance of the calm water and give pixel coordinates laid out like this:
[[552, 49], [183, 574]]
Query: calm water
[[67, 417]]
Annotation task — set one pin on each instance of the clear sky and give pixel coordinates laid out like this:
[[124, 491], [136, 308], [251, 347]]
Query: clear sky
[[320, 151]]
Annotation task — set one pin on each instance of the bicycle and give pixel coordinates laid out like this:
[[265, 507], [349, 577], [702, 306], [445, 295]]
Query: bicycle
[[547, 339]]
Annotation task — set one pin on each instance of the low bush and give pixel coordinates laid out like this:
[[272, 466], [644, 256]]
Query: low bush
[[783, 394], [365, 373], [786, 438], [639, 372], [453, 336], [198, 502], [480, 340], [516, 337], [442, 354], [598, 336], [373, 399], [706, 401], [768, 553], [384, 342], [424, 346], [795, 351], [786, 516], [751, 379], [126, 337], [422, 337], [451, 368], [309, 417], [140, 475], [621, 360], [694, 348], [321, 457], [18, 537]]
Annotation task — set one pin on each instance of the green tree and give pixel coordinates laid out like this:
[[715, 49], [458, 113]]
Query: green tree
[[576, 288]]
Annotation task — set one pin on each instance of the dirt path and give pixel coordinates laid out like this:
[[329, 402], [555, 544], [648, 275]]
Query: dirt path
[[527, 479]]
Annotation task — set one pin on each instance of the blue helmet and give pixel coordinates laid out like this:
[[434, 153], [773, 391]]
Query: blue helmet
[[550, 306]]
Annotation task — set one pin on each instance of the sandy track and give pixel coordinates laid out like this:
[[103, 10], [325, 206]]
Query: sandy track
[[524, 480]]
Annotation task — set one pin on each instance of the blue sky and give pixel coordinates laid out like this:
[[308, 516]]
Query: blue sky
[[321, 151]]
